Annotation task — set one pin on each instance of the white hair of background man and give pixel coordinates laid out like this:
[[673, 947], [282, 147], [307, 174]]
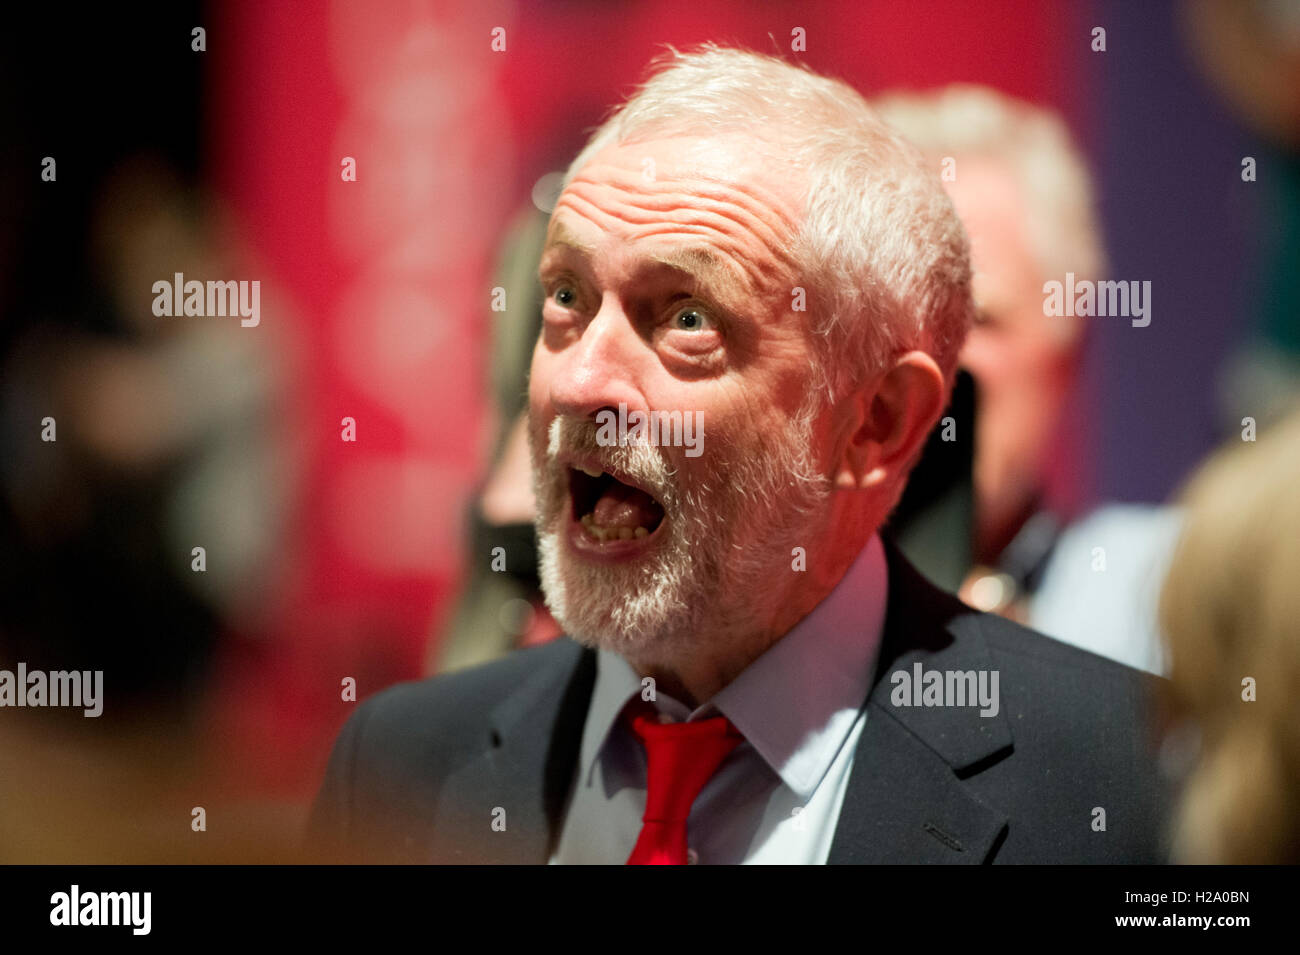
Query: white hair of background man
[[884, 256], [1033, 145]]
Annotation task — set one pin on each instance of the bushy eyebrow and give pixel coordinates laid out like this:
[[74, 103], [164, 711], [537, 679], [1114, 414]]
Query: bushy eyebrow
[[562, 235], [706, 268]]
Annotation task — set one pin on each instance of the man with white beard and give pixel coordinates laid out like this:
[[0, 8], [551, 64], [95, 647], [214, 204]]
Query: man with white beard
[[745, 242]]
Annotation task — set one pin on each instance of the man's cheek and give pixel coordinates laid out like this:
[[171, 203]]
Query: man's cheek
[[540, 411], [539, 446], [541, 372], [537, 386]]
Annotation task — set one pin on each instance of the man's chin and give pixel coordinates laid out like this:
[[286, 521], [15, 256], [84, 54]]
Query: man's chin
[[626, 606]]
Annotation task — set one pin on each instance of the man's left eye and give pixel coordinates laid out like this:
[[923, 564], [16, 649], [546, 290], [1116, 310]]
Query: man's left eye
[[693, 320]]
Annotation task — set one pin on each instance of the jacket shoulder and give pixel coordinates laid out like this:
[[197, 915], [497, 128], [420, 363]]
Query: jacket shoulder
[[932, 612], [1041, 657], [394, 752], [436, 706]]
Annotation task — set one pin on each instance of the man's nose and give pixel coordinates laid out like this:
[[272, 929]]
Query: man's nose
[[599, 370]]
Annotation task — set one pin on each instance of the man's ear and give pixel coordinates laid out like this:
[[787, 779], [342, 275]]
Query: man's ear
[[888, 421]]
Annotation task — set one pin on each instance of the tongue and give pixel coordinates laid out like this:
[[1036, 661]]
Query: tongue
[[624, 506]]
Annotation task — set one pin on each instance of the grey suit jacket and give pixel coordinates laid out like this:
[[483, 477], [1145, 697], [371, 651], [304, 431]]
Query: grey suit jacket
[[476, 766]]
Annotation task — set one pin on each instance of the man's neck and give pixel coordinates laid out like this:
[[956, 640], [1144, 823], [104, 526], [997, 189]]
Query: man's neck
[[700, 665]]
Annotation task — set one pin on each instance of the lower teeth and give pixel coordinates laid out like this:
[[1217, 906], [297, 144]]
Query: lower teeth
[[612, 533]]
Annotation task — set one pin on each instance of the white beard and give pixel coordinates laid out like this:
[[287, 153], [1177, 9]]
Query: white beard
[[726, 551]]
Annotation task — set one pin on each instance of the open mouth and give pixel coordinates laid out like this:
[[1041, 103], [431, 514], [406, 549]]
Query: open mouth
[[607, 512]]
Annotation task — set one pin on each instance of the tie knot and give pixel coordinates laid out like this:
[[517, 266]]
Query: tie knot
[[680, 759], [650, 729]]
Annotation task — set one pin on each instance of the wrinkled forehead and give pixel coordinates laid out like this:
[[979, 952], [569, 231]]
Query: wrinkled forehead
[[717, 191]]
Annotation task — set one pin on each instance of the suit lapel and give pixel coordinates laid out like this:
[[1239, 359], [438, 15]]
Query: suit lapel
[[905, 800], [527, 762]]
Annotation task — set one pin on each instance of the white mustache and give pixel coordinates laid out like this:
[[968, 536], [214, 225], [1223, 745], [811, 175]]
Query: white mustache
[[641, 462]]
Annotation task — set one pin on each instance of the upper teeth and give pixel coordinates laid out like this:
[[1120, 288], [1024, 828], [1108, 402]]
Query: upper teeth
[[591, 472]]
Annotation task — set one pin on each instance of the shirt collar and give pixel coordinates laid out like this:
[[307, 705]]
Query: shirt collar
[[795, 704]]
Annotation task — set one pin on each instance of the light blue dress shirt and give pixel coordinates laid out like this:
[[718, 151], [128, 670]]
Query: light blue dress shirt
[[777, 797]]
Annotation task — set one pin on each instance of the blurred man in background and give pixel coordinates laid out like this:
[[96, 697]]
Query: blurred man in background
[[1025, 196]]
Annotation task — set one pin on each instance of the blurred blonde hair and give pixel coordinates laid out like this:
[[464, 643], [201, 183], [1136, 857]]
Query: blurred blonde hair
[[1230, 609]]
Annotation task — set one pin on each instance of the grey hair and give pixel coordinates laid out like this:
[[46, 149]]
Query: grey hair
[[885, 256]]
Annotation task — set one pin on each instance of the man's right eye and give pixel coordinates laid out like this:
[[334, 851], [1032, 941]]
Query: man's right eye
[[565, 295]]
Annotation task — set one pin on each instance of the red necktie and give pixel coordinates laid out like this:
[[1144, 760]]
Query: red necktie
[[681, 757]]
